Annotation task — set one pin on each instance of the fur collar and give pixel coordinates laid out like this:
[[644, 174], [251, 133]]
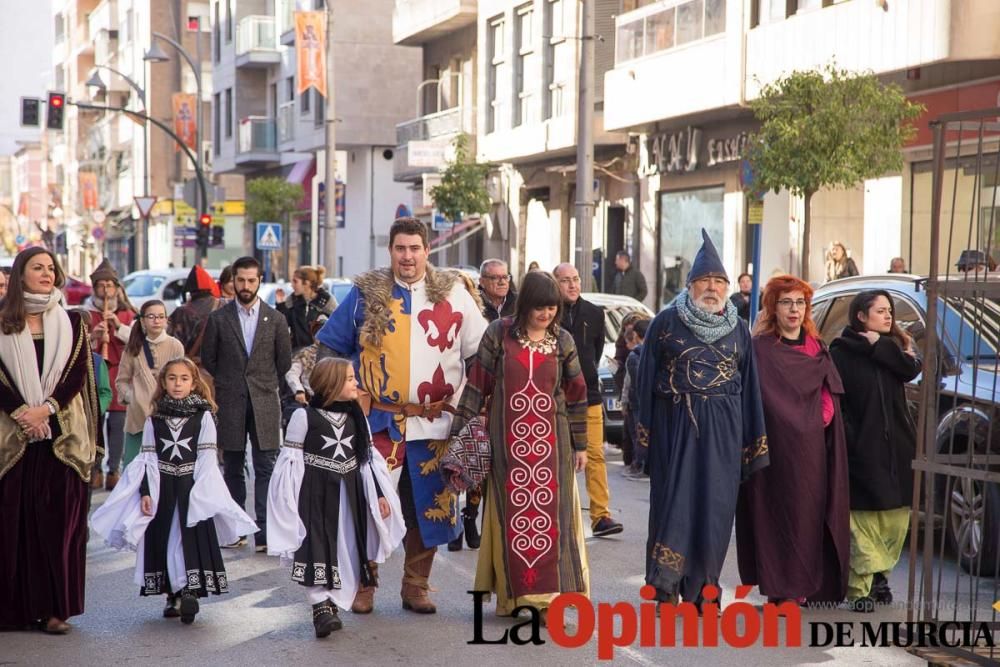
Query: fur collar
[[376, 288]]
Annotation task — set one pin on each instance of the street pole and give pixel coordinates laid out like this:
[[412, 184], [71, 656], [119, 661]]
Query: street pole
[[330, 231], [585, 150]]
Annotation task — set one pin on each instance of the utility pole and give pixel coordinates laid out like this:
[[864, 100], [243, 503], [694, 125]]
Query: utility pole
[[330, 185], [585, 150]]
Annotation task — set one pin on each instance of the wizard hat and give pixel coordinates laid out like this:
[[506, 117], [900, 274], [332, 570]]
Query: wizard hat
[[104, 271], [706, 262], [199, 281]]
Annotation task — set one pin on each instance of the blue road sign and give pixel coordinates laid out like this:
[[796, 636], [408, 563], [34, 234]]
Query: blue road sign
[[268, 236]]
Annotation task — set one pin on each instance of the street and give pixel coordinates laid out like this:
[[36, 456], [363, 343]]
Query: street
[[265, 620]]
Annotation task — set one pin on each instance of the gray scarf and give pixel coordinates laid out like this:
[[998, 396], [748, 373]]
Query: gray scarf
[[707, 327]]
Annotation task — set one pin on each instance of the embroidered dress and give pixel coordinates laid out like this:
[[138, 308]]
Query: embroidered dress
[[532, 546], [322, 506], [178, 547]]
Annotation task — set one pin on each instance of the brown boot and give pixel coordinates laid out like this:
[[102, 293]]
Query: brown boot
[[111, 480], [364, 601], [416, 570], [97, 478]]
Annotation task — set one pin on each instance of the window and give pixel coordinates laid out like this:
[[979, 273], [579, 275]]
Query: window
[[173, 291], [306, 94], [497, 110], [60, 26], [657, 29], [524, 65], [806, 5], [290, 88], [127, 26], [229, 21], [715, 17], [216, 37], [682, 216], [690, 21], [229, 113], [660, 31], [836, 318], [768, 11], [217, 123], [320, 111], [552, 35]]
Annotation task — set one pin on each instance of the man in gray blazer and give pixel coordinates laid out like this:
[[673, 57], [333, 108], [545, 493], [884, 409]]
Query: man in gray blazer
[[247, 349]]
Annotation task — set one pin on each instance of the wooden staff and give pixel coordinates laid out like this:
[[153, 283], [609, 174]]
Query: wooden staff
[[107, 329]]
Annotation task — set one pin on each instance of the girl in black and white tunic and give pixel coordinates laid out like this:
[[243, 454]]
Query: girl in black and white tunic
[[162, 505], [332, 511]]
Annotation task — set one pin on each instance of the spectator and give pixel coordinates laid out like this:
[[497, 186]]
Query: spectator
[[586, 322], [226, 290], [533, 266], [839, 264], [875, 358], [897, 265], [741, 299], [4, 278], [247, 349], [496, 289], [636, 466], [308, 301], [628, 281]]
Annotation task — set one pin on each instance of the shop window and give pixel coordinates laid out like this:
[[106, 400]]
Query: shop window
[[682, 217]]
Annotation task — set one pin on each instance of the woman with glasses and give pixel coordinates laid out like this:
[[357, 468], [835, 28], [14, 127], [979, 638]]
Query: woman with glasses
[[792, 534], [149, 348], [876, 359]]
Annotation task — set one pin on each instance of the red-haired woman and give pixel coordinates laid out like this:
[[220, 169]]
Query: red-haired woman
[[793, 518]]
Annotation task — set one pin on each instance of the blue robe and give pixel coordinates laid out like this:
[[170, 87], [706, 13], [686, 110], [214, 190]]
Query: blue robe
[[700, 413]]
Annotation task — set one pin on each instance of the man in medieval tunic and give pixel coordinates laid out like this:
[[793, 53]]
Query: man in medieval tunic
[[700, 414], [409, 331]]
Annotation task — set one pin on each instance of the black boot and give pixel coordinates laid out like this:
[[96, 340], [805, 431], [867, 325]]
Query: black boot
[[325, 619], [881, 592], [456, 544], [469, 514], [189, 606], [171, 611], [865, 605]]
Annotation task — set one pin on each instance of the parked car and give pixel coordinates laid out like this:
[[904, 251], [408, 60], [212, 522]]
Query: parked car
[[76, 291], [268, 292], [339, 287], [167, 285], [615, 309], [969, 335]]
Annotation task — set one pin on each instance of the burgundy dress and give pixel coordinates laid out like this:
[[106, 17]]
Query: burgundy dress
[[43, 521]]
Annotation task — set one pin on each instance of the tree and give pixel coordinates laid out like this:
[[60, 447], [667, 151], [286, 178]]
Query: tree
[[271, 199], [463, 184], [828, 128]]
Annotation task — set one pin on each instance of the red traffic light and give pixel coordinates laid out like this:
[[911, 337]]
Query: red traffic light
[[205, 219], [56, 100]]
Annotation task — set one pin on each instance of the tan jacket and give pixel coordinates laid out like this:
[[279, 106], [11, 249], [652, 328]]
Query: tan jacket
[[136, 382]]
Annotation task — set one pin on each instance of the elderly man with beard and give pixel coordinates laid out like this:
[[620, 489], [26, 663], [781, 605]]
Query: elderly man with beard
[[248, 350], [701, 417], [111, 319]]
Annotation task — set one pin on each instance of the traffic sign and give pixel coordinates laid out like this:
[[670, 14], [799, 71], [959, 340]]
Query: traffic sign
[[145, 205], [268, 236], [97, 233], [99, 217], [439, 223]]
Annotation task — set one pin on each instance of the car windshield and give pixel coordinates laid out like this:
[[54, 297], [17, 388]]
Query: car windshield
[[340, 291], [973, 325], [143, 285]]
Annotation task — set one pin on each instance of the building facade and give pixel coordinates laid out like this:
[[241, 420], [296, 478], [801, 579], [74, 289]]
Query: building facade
[[266, 127]]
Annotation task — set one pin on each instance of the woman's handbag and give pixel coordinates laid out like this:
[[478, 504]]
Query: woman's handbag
[[467, 462]]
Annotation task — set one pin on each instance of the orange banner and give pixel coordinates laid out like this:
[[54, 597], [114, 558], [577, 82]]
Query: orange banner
[[88, 189], [184, 119], [310, 51]]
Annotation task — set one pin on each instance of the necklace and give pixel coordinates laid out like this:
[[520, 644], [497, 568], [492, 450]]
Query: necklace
[[547, 345]]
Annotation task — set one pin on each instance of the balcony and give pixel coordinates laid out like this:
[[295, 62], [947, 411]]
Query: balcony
[[286, 122], [415, 22], [285, 13], [258, 142], [257, 42], [423, 143]]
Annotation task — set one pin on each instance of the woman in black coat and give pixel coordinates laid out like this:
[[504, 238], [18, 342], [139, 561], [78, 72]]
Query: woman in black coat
[[309, 300], [875, 359]]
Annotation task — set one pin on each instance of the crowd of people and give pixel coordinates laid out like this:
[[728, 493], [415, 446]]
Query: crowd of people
[[367, 421]]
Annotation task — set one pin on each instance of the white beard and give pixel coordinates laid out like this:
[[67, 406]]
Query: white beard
[[705, 307]]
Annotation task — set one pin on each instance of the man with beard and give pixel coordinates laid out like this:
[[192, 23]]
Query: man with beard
[[247, 349], [699, 413], [111, 318], [410, 331]]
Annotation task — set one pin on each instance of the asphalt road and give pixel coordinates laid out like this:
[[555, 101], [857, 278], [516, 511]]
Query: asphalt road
[[264, 620]]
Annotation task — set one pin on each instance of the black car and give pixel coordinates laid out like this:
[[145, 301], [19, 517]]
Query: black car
[[615, 309], [969, 334]]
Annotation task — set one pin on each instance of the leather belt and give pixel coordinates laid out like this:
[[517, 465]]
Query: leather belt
[[425, 410]]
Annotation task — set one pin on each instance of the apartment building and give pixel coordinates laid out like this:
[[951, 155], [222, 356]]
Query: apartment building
[[266, 128], [684, 71]]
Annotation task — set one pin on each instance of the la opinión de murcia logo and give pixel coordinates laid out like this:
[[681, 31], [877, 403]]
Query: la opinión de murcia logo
[[739, 625]]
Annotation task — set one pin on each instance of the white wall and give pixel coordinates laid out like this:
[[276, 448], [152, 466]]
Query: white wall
[[883, 226]]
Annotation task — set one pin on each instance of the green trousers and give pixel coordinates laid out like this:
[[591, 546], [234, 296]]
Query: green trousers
[[876, 543]]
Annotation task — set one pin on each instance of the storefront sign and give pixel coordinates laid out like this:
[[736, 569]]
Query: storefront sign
[[685, 151]]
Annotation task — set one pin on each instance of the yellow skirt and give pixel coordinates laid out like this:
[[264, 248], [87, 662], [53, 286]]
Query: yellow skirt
[[491, 574]]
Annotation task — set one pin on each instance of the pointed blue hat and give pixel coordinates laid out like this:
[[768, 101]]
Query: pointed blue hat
[[707, 262]]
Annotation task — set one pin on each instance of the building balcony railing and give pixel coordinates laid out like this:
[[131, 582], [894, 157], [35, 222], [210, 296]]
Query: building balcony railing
[[258, 140], [431, 126], [286, 122], [415, 22], [423, 143], [257, 42]]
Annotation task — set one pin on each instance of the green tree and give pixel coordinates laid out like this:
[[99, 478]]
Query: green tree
[[827, 128], [271, 199], [463, 184]]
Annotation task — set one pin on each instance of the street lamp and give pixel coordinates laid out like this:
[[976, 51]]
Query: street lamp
[[155, 54], [95, 81]]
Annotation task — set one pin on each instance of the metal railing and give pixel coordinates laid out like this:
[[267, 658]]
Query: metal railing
[[256, 33], [430, 126], [258, 134], [286, 121]]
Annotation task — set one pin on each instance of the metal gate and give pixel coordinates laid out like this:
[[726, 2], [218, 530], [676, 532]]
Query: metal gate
[[954, 555]]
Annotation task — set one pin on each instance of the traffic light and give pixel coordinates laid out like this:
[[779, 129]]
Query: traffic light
[[204, 229], [31, 112], [218, 239], [54, 120]]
